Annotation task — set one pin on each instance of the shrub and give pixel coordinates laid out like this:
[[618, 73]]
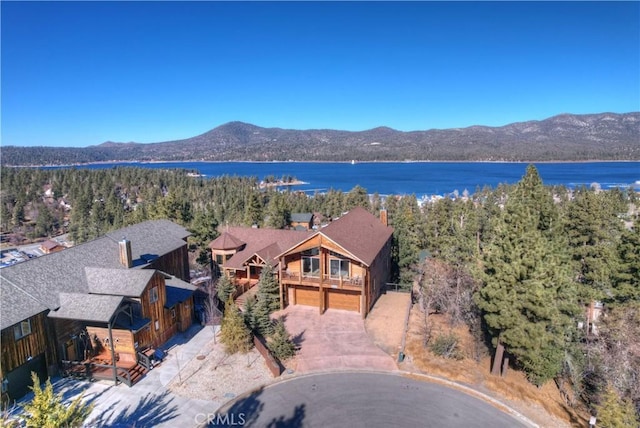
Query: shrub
[[446, 346]]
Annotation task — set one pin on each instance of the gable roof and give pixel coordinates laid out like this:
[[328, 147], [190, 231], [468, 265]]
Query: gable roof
[[265, 243], [87, 307], [360, 233], [44, 278], [16, 303], [301, 217], [117, 282]]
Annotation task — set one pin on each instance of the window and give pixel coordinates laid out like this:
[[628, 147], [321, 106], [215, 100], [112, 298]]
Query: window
[[311, 266], [157, 324], [173, 313], [22, 329], [339, 268], [153, 295], [219, 259]]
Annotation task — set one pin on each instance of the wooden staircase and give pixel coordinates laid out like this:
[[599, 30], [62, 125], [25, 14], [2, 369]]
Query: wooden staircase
[[136, 373], [241, 299], [131, 375]]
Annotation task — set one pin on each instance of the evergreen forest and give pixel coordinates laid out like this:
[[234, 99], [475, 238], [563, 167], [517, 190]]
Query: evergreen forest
[[522, 266]]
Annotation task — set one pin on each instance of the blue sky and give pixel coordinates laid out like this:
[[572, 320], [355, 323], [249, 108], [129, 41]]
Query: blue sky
[[81, 73]]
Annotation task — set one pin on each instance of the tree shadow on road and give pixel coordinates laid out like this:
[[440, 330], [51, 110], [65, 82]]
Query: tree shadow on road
[[246, 412], [294, 422], [150, 411]]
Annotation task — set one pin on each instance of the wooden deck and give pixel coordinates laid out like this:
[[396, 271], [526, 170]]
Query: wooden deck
[[346, 283], [101, 368]]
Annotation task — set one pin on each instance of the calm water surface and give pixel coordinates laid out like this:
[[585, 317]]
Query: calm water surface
[[419, 178]]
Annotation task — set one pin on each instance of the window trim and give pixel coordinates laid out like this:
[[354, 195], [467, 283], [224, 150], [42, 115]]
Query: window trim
[[153, 294], [311, 261], [19, 330]]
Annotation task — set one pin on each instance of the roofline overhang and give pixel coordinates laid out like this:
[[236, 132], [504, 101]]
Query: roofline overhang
[[347, 253]]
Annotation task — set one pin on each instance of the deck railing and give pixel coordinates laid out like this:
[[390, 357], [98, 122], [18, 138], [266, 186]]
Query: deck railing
[[327, 280]]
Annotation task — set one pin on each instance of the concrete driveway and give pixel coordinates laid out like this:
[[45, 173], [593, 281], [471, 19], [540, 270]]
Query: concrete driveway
[[335, 340]]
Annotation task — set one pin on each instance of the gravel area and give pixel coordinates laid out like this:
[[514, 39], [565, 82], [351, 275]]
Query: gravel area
[[215, 376]]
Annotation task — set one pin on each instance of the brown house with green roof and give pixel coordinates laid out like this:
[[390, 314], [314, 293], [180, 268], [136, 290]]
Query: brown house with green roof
[[344, 265]]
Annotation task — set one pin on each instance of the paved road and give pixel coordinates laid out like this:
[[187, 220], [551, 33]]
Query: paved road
[[361, 400]]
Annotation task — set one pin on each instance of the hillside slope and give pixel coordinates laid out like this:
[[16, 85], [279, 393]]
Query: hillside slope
[[566, 137]]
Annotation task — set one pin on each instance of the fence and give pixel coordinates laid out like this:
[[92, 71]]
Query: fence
[[272, 363]]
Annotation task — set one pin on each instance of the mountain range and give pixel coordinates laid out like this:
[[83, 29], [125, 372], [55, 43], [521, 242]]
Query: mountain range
[[566, 137]]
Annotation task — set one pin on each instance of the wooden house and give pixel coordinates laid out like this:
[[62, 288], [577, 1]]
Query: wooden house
[[344, 265], [50, 246], [301, 221], [96, 308], [242, 252]]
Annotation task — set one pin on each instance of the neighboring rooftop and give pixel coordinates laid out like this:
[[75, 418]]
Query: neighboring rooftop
[[265, 243], [43, 279]]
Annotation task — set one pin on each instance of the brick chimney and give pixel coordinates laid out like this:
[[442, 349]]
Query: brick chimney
[[126, 259], [383, 217]]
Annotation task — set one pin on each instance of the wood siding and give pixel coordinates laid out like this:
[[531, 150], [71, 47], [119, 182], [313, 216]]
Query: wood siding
[[174, 263], [17, 352], [154, 310], [122, 339]]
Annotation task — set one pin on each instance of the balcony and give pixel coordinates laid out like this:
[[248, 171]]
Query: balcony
[[314, 280]]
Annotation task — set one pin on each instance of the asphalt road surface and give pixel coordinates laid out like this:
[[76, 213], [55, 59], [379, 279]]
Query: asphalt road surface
[[366, 400]]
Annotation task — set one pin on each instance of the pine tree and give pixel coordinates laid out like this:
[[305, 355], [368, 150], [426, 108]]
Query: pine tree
[[253, 210], [268, 289], [627, 278], [615, 412], [48, 410], [527, 297], [225, 288], [234, 334], [280, 343], [249, 313], [593, 229]]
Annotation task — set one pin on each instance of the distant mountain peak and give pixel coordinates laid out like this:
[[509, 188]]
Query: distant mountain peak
[[564, 137]]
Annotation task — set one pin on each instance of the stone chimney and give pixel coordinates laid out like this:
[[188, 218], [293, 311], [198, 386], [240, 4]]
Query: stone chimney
[[126, 259], [383, 217]]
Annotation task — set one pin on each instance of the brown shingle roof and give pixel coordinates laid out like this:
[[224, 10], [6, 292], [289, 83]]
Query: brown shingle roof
[[360, 233], [267, 243], [226, 241]]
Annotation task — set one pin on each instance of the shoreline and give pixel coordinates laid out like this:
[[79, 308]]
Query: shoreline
[[348, 162]]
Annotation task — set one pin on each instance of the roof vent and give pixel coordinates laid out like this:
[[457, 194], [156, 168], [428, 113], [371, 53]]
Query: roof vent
[[126, 259]]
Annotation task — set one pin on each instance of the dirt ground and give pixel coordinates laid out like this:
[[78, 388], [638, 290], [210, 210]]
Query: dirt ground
[[385, 323], [543, 405]]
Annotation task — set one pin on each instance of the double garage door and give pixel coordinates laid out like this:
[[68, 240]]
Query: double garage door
[[334, 299]]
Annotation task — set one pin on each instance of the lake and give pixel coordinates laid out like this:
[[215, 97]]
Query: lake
[[419, 178]]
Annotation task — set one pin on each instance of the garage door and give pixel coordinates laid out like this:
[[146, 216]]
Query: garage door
[[342, 299], [307, 296]]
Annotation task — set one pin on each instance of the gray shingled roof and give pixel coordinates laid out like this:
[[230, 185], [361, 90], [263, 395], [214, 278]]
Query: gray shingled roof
[[301, 217], [16, 303], [44, 278], [118, 282], [87, 307]]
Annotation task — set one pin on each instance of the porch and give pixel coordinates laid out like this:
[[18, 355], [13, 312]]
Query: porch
[[126, 370]]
